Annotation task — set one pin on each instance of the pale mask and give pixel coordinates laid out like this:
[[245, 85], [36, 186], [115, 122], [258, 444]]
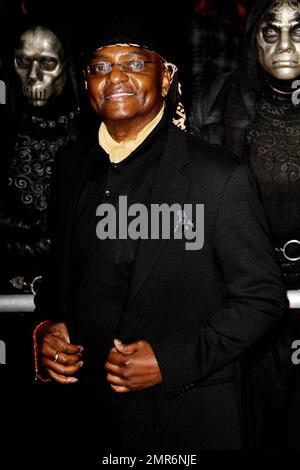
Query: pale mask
[[40, 64], [278, 40]]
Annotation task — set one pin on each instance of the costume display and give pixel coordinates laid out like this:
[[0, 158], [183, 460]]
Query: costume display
[[44, 115], [43, 119], [253, 113]]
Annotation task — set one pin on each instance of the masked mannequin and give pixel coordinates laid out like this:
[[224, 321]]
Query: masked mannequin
[[44, 121], [260, 123], [253, 114], [278, 40], [45, 115], [272, 139]]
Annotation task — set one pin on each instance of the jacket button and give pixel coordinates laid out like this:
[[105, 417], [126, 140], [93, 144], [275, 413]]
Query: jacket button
[[107, 193]]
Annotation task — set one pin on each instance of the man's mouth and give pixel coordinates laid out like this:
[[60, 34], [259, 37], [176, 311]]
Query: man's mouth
[[118, 95]]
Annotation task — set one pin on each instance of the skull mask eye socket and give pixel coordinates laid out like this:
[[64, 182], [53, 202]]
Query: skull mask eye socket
[[270, 34], [22, 62], [48, 63]]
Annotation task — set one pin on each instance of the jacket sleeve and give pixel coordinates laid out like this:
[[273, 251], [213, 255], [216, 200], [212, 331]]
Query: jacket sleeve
[[256, 296]]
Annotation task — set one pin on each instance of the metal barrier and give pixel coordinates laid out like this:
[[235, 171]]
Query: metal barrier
[[16, 303], [24, 302], [294, 298]]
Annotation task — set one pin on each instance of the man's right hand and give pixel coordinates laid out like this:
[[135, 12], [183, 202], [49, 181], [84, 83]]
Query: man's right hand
[[57, 355]]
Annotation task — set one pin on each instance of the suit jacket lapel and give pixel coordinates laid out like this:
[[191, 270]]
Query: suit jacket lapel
[[79, 176], [170, 187]]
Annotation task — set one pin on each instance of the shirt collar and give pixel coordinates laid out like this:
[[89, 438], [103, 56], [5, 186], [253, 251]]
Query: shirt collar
[[118, 151]]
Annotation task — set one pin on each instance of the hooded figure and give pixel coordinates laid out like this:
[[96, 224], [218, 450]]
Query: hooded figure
[[255, 113], [43, 116], [45, 109]]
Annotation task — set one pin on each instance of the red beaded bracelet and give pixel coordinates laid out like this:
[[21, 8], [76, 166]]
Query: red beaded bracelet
[[35, 351]]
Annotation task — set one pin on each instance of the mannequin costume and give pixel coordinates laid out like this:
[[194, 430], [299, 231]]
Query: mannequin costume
[[253, 113], [44, 119]]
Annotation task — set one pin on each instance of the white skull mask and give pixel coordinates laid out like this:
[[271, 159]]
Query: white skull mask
[[40, 64], [278, 40]]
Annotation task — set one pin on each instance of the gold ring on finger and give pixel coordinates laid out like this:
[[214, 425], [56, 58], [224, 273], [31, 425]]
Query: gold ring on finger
[[56, 356]]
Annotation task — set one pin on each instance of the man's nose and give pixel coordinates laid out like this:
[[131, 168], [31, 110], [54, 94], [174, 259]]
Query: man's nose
[[117, 75], [285, 43], [34, 73]]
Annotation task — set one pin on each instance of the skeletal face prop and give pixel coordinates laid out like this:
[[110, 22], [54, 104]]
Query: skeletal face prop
[[278, 40], [40, 64]]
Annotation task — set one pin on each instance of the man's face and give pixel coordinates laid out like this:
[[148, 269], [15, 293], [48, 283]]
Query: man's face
[[126, 92], [278, 40], [40, 64]]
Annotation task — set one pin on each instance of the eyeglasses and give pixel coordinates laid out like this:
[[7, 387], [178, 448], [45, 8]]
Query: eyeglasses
[[128, 66]]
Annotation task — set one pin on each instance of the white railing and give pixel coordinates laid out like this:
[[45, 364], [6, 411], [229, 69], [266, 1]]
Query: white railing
[[24, 302], [16, 303], [294, 298]]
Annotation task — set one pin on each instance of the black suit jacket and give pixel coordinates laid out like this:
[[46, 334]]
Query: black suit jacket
[[199, 310]]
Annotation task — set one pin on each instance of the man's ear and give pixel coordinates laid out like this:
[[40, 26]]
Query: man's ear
[[166, 83]]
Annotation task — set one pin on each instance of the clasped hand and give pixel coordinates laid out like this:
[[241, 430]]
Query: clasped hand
[[132, 367], [58, 356], [129, 367]]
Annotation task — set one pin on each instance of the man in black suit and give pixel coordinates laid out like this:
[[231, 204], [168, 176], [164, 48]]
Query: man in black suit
[[158, 325]]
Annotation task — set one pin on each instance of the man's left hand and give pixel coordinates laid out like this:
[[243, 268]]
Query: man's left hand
[[132, 367]]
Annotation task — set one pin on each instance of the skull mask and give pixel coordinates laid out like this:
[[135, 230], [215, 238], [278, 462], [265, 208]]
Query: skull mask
[[40, 64], [278, 40]]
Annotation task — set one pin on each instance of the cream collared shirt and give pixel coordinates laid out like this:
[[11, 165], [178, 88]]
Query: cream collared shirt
[[118, 151]]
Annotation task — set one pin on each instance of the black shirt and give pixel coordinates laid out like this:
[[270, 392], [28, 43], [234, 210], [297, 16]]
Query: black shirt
[[102, 269]]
